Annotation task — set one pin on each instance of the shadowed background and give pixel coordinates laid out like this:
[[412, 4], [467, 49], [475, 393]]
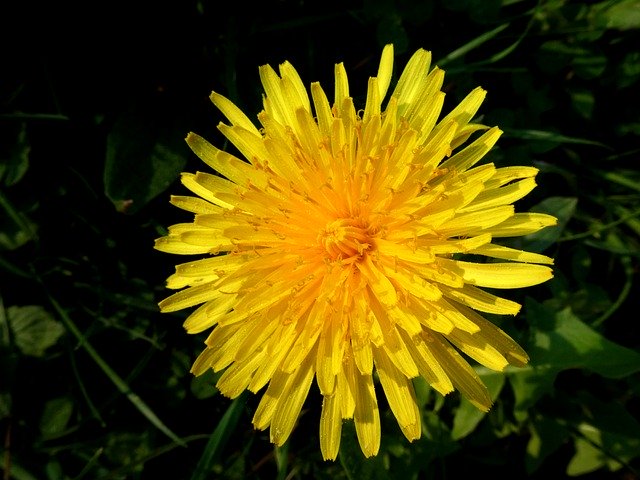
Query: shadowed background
[[95, 102]]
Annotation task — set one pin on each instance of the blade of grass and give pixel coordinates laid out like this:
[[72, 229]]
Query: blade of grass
[[11, 268], [621, 179], [544, 136], [218, 439], [94, 411], [120, 384], [282, 456], [472, 45], [624, 291], [14, 215], [89, 465], [487, 36], [503, 53]]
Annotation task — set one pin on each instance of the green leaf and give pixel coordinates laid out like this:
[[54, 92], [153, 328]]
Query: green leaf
[[590, 66], [16, 163], [583, 102], [353, 461], [588, 458], [204, 386], [620, 15], [55, 417], [18, 472], [127, 448], [609, 437], [547, 436], [145, 154], [573, 344], [568, 344], [5, 405], [16, 228], [628, 70], [529, 385], [424, 392], [563, 208], [467, 416], [34, 329]]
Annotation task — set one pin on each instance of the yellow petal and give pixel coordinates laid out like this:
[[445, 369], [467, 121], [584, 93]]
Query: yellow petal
[[248, 143], [345, 394], [502, 196], [206, 187], [400, 394], [494, 336], [278, 347], [225, 345], [289, 405], [341, 87], [378, 281], [194, 204], [473, 223], [281, 107], [226, 164], [366, 416], [458, 319], [173, 244], [499, 275], [322, 108], [232, 112], [256, 338], [505, 175], [189, 297], [412, 80], [404, 252], [330, 353], [473, 153], [219, 265], [330, 427], [291, 74], [465, 110], [463, 377], [429, 365], [213, 311], [278, 387], [236, 378], [372, 106], [478, 299], [522, 224], [506, 253], [476, 347], [415, 285], [385, 70]]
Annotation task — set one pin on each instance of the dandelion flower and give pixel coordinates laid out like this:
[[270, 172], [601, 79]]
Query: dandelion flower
[[342, 246]]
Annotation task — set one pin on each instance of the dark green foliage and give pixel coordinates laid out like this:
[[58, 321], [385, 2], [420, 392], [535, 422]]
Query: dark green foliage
[[94, 104]]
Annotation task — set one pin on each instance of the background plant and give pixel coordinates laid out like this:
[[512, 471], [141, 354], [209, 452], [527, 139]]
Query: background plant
[[94, 381]]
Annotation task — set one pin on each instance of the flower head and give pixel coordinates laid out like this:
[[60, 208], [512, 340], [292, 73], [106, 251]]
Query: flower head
[[344, 248]]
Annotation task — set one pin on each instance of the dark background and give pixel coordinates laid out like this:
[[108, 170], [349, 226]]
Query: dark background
[[95, 101]]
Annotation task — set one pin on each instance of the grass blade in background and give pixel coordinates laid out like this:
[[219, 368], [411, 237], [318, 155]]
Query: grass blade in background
[[219, 438], [120, 384]]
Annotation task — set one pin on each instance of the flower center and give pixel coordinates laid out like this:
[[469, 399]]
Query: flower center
[[346, 238]]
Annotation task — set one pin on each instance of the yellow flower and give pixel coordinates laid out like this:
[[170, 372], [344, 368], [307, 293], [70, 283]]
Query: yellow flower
[[337, 250]]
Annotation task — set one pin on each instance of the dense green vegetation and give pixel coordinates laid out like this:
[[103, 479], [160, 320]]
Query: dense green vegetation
[[95, 102]]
